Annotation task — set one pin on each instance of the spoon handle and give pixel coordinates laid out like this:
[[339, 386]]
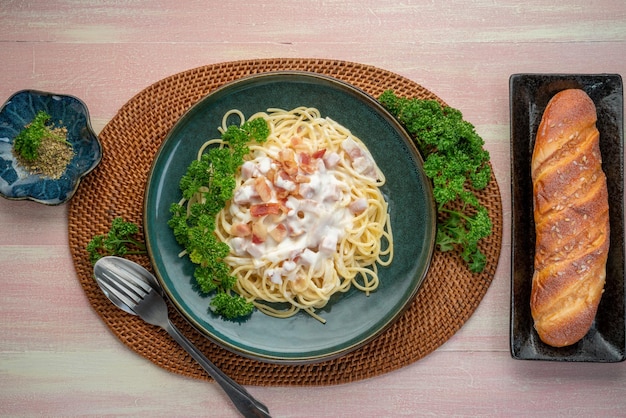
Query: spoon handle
[[243, 401]]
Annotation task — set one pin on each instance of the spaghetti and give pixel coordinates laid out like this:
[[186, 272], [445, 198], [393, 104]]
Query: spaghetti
[[308, 219]]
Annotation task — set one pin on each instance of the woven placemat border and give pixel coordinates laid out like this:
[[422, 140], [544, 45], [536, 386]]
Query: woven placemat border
[[446, 300]]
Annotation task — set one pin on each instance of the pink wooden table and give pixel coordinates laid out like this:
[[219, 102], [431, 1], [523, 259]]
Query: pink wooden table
[[56, 356]]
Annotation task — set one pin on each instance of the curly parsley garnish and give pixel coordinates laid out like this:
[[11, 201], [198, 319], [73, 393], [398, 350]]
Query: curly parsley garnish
[[122, 239], [457, 164], [213, 177]]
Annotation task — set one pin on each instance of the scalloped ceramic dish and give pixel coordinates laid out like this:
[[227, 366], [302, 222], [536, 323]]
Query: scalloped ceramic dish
[[68, 111], [530, 93], [353, 319]]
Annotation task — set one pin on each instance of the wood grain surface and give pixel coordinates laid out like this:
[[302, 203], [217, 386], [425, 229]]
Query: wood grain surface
[[58, 359]]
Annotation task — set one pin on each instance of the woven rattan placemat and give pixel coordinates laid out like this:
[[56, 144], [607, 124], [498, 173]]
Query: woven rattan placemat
[[448, 297]]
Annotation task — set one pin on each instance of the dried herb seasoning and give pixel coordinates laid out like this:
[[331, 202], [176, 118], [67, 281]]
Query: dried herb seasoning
[[42, 148]]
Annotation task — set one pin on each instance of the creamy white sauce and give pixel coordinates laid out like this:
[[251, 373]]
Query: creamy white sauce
[[315, 219]]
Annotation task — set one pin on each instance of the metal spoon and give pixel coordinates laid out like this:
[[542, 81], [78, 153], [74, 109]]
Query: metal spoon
[[135, 290]]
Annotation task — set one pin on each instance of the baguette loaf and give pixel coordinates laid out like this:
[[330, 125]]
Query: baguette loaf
[[571, 220]]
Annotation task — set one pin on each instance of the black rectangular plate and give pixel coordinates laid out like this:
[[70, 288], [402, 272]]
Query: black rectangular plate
[[529, 95]]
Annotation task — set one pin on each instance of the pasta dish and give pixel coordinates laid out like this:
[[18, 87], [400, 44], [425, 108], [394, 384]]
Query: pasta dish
[[307, 219]]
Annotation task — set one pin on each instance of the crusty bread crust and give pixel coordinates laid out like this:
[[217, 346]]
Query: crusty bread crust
[[571, 220]]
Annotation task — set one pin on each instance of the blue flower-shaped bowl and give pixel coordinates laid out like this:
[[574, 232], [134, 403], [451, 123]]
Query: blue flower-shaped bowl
[[68, 111]]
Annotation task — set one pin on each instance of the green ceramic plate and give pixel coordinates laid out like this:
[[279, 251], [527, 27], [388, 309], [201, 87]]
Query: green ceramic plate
[[353, 319]]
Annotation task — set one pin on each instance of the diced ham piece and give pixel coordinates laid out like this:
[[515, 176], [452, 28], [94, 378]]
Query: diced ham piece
[[274, 275], [308, 257], [264, 165], [331, 160], [244, 195], [329, 244], [310, 205], [238, 245], [333, 193], [256, 251], [351, 148], [365, 166], [362, 161], [307, 191], [289, 266], [358, 206], [248, 170]]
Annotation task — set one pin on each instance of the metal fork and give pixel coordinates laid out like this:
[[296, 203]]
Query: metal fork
[[135, 290]]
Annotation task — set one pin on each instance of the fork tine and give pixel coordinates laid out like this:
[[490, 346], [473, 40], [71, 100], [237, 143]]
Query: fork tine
[[111, 287], [131, 276], [128, 285], [134, 288]]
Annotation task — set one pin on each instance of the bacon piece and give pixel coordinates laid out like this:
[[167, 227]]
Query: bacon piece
[[284, 193], [285, 181], [279, 233], [302, 179], [305, 158], [297, 143], [263, 189], [241, 230], [319, 153], [259, 232], [286, 158], [285, 154], [271, 175], [264, 209], [307, 164]]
